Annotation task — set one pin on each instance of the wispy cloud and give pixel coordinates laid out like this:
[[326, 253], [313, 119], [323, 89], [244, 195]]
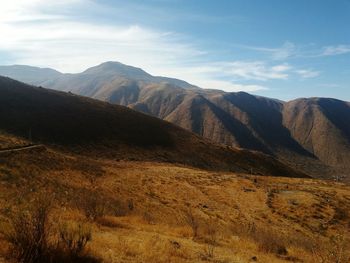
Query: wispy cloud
[[52, 34], [287, 50], [255, 70], [72, 45], [307, 73], [329, 85], [34, 10], [229, 86], [291, 50], [335, 50]]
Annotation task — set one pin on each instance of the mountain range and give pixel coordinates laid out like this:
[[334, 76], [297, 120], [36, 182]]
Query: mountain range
[[309, 134], [87, 127]]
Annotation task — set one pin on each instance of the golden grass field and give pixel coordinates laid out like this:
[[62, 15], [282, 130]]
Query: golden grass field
[[161, 212]]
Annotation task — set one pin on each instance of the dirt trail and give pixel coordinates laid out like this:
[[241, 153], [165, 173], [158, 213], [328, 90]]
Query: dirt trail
[[21, 148]]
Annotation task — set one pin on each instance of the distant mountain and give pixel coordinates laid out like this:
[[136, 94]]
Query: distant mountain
[[28, 74], [309, 134], [87, 81], [86, 126]]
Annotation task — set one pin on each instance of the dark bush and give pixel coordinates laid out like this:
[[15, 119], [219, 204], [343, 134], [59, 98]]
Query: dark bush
[[32, 238]]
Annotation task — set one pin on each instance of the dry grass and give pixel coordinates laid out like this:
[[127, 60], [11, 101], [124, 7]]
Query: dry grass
[[31, 237], [28, 233], [156, 212], [8, 141]]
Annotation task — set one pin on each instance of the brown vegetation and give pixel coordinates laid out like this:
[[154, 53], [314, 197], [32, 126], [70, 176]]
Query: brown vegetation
[[32, 238], [234, 217]]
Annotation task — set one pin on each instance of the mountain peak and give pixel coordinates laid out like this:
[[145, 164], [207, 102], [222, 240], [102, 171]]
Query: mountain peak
[[113, 67]]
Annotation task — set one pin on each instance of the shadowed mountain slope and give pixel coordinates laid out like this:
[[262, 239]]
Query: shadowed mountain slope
[[322, 126], [86, 126], [309, 134]]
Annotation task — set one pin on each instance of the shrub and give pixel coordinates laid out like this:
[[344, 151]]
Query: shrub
[[192, 221], [28, 233], [210, 232], [270, 241], [93, 205], [32, 238], [73, 237], [267, 239]]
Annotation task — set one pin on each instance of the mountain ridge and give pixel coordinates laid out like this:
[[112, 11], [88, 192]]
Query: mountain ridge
[[90, 127], [236, 119]]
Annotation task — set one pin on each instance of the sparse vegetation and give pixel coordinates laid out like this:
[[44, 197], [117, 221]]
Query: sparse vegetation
[[210, 239], [93, 205], [28, 233], [270, 241], [32, 237], [73, 238], [337, 250], [192, 221], [267, 239], [191, 216]]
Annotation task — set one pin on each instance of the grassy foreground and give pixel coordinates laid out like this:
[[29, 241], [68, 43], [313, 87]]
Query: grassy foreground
[[157, 212]]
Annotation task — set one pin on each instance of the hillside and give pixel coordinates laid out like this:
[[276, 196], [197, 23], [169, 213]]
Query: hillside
[[95, 128], [322, 126], [162, 212], [144, 190], [282, 129]]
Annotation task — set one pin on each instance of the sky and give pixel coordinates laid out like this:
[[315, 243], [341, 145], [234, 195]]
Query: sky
[[281, 49]]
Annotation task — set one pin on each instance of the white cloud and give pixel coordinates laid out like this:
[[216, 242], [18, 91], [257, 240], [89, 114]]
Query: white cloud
[[287, 50], [256, 70], [290, 50], [52, 34], [231, 87], [335, 50], [212, 77], [281, 67], [245, 70], [307, 73], [33, 10], [72, 45]]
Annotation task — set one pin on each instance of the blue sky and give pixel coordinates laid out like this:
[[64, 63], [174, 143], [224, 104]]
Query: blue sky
[[282, 49]]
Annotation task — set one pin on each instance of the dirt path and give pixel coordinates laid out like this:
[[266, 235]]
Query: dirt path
[[21, 148]]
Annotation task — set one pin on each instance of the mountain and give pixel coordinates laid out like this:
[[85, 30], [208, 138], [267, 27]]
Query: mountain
[[309, 134], [89, 127], [322, 127], [97, 76], [28, 74]]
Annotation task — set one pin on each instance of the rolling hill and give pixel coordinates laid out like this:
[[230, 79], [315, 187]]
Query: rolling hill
[[309, 134], [93, 128]]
